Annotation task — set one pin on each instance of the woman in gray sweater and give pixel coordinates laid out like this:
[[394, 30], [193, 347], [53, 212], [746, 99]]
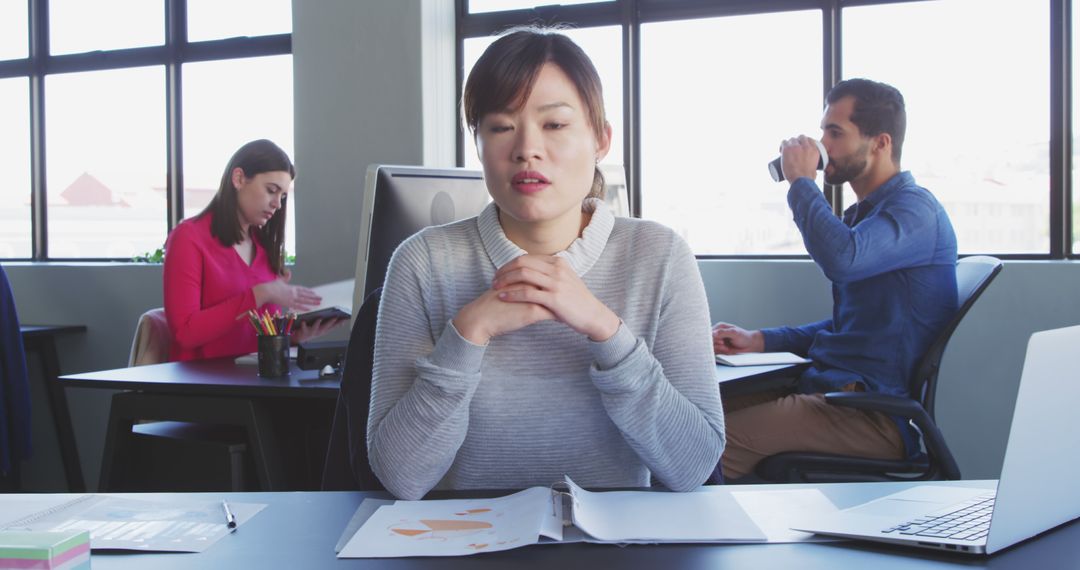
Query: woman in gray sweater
[[545, 337]]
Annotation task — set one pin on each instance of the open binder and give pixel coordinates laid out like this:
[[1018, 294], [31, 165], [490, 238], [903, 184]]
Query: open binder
[[563, 512]]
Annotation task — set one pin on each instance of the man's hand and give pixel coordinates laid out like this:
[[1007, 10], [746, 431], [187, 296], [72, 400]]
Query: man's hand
[[730, 339], [799, 157]]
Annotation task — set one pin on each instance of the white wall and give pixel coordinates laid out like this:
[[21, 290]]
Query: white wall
[[359, 101]]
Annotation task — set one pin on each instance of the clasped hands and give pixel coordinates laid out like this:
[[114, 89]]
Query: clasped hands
[[530, 289]]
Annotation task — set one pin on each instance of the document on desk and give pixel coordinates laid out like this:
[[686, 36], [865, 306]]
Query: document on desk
[[459, 527], [760, 359], [775, 512], [136, 524]]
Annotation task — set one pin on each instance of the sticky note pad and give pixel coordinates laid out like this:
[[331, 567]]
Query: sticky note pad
[[32, 550]]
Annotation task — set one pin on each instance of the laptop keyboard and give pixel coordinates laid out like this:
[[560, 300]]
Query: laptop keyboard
[[969, 520]]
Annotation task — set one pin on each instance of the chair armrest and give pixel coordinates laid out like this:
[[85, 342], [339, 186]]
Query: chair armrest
[[932, 437], [884, 403]]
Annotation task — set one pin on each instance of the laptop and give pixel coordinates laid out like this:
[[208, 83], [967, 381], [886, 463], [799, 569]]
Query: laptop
[[1038, 487]]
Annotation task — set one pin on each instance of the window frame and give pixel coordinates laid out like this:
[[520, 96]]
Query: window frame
[[630, 14], [175, 52]]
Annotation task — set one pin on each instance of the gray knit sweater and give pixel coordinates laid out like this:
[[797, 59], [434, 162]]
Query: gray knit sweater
[[544, 401]]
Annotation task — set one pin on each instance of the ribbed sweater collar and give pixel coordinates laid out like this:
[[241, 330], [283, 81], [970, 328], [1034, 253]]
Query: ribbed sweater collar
[[582, 253]]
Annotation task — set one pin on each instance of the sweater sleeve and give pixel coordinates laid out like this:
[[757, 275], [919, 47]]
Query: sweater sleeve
[[185, 276], [421, 386], [666, 402]]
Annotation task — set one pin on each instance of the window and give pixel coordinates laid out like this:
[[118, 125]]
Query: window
[[478, 6], [106, 149], [142, 24], [1075, 206], [717, 84], [15, 163], [707, 136], [215, 20], [979, 142], [13, 37], [135, 123]]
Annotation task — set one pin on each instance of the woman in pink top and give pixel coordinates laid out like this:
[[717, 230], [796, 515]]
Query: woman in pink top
[[230, 259]]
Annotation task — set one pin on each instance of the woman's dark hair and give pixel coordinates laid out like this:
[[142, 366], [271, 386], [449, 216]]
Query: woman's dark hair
[[879, 108], [253, 158], [505, 74]]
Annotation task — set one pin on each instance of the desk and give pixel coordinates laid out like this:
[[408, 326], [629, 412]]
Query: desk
[[200, 391], [41, 340], [739, 380], [299, 530]]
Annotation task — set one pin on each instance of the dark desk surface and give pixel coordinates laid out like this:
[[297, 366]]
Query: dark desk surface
[[299, 530], [215, 377]]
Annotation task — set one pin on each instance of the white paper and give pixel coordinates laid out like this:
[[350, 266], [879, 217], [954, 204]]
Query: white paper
[[455, 527], [647, 516], [776, 511], [136, 524], [336, 294], [360, 516], [20, 507], [760, 358]]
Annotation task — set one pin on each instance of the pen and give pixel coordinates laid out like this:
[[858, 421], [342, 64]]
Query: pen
[[230, 520]]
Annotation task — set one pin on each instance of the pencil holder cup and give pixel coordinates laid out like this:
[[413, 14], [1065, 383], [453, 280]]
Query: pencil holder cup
[[273, 355]]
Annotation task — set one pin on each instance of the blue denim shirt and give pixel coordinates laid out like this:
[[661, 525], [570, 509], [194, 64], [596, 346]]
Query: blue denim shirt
[[892, 264]]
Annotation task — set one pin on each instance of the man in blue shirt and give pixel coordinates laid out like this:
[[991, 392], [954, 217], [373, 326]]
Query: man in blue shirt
[[892, 264]]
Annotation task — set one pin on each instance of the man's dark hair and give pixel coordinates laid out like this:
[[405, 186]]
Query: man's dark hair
[[879, 108]]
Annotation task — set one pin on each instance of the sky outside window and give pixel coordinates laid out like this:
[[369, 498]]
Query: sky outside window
[[15, 164], [105, 141], [478, 6], [215, 20], [117, 24], [978, 110], [710, 125], [14, 26]]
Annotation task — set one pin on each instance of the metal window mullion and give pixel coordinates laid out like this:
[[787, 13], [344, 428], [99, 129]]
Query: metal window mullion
[[462, 7], [831, 20], [1060, 130], [39, 52], [631, 56], [175, 38]]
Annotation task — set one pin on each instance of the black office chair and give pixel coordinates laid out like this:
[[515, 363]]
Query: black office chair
[[973, 275], [344, 470]]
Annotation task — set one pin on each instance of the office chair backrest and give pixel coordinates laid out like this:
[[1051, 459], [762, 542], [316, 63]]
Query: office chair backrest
[[973, 276], [152, 339], [346, 467]]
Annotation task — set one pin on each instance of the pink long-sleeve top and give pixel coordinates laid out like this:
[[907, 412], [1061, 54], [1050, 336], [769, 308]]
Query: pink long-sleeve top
[[207, 286]]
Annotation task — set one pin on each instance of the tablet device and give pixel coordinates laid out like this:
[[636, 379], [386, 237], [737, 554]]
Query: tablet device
[[323, 313]]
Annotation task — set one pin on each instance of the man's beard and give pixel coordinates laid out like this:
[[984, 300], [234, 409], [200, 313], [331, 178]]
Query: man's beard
[[849, 169]]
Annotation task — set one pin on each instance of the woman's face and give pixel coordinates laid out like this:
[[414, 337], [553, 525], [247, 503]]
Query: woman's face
[[258, 197], [539, 160]]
